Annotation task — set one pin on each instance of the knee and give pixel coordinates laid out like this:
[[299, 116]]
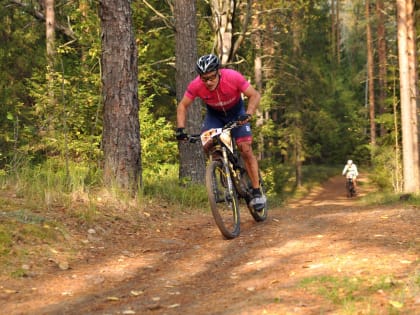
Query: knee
[[246, 150]]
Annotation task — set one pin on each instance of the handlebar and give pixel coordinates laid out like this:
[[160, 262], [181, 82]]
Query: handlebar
[[229, 126], [193, 138]]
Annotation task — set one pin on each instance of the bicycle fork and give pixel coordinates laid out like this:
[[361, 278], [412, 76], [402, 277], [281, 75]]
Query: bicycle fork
[[227, 172], [221, 155]]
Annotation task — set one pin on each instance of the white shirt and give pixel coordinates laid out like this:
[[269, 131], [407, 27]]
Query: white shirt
[[350, 171]]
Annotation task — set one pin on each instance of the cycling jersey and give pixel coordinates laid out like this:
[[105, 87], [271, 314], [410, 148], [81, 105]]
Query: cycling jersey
[[227, 93], [224, 103], [350, 171]]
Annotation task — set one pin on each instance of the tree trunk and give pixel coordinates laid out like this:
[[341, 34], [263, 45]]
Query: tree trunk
[[371, 88], [337, 30], [333, 30], [382, 59], [408, 107], [50, 49], [229, 37], [412, 56], [192, 160], [258, 75], [298, 137], [50, 32], [121, 130], [222, 15]]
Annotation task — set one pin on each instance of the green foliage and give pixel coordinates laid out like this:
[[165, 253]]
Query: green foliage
[[165, 185], [280, 180], [311, 101], [387, 169], [21, 52], [157, 140]]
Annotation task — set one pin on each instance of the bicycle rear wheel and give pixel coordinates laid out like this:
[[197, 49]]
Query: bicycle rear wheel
[[223, 203]]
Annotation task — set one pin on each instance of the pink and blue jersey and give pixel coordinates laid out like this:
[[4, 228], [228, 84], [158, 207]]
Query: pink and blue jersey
[[227, 93], [224, 104]]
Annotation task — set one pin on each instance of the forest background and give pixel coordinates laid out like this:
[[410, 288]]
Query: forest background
[[328, 72]]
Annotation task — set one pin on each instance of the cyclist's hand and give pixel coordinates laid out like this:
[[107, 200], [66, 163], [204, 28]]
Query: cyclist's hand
[[181, 135], [243, 119]]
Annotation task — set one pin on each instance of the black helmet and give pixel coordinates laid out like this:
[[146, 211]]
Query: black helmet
[[207, 63]]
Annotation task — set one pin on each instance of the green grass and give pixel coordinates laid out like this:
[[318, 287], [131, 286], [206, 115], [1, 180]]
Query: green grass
[[390, 198], [165, 185], [352, 294]]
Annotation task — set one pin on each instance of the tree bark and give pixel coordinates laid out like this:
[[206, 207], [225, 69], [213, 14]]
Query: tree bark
[[371, 86], [121, 130], [258, 74], [50, 31], [382, 59], [229, 37], [337, 30], [409, 119], [192, 160], [333, 30], [223, 12]]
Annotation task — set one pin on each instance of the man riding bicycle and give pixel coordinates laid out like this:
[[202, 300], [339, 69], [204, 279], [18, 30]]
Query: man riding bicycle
[[221, 90], [350, 171]]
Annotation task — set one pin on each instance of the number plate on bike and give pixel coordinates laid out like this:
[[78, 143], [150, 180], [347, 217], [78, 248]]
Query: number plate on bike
[[207, 135]]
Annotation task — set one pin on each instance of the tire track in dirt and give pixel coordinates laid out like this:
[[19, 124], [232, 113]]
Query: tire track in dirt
[[184, 266]]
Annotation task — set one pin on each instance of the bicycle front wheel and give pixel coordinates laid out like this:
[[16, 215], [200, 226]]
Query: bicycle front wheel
[[223, 201]]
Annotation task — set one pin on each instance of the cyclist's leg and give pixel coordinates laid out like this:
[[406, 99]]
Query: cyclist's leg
[[250, 161], [244, 142]]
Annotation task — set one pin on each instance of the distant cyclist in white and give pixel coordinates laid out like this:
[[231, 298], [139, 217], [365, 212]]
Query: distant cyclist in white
[[350, 171]]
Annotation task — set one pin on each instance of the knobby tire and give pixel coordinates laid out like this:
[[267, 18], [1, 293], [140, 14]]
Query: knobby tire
[[224, 205]]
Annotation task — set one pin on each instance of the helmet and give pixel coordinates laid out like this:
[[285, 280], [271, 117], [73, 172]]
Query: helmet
[[207, 63], [349, 162]]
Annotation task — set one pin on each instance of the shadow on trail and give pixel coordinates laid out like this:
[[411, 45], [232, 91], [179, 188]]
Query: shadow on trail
[[197, 272]]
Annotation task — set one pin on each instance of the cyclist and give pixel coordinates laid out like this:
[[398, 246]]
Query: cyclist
[[221, 90], [350, 171]]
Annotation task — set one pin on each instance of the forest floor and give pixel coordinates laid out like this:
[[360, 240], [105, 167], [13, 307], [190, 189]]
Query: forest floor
[[322, 254]]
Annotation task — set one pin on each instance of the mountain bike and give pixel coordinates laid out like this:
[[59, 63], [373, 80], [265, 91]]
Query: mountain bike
[[227, 181], [351, 191]]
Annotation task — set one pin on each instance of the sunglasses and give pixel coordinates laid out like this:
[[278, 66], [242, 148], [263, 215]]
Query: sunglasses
[[209, 78]]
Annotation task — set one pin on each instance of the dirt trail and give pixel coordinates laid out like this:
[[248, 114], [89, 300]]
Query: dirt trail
[[183, 266]]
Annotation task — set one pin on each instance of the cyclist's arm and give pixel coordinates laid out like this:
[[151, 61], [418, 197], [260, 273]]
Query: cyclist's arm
[[181, 111], [253, 99]]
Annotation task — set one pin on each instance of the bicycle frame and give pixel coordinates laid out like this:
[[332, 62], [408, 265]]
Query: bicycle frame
[[220, 145], [227, 180]]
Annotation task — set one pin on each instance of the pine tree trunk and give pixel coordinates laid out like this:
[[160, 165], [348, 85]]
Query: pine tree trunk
[[412, 56], [337, 30], [409, 119], [192, 159], [50, 49], [382, 59], [333, 30], [258, 75], [298, 138], [50, 32], [121, 131], [370, 66]]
